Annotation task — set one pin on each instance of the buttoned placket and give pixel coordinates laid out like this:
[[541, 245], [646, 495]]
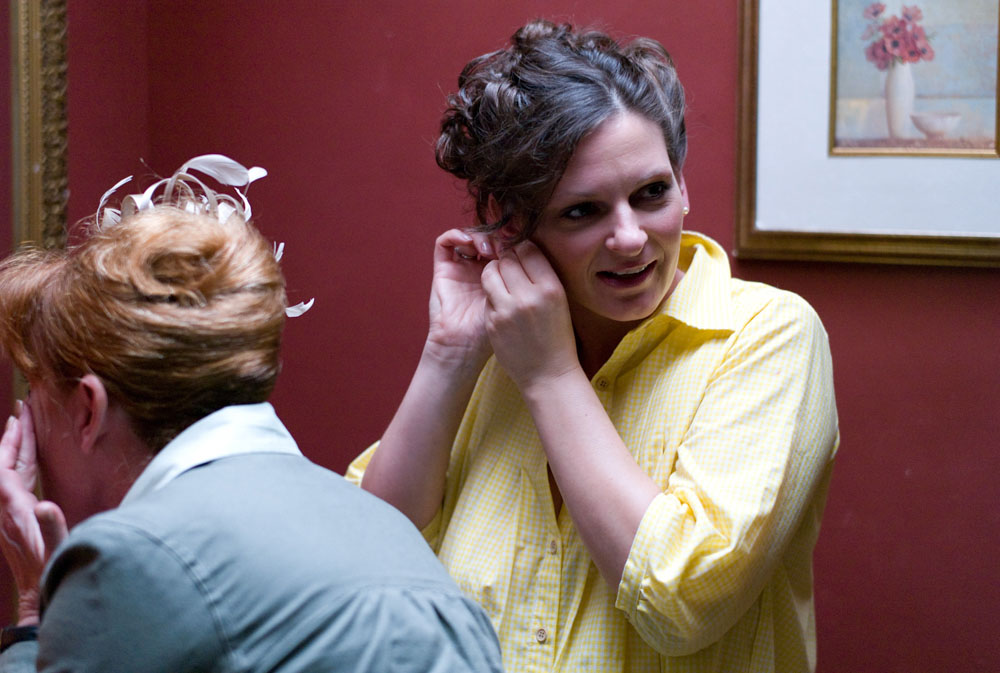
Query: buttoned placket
[[542, 635]]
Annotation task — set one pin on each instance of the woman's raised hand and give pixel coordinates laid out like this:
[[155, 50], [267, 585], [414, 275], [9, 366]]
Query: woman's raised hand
[[29, 530], [527, 316], [457, 302]]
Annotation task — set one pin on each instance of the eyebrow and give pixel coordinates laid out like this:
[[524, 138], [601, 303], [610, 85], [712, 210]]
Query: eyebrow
[[664, 174]]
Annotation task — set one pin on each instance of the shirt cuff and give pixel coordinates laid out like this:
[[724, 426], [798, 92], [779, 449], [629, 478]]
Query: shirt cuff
[[634, 573]]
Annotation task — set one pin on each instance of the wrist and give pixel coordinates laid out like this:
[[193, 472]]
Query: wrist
[[540, 385], [27, 608], [453, 362]]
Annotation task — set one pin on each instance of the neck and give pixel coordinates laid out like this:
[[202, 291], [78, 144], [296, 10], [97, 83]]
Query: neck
[[597, 339], [121, 458]]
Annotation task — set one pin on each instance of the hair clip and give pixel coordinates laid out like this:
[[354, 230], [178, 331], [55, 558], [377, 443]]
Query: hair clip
[[197, 197]]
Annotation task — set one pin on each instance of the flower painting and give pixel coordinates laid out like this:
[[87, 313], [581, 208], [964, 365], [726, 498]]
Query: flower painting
[[895, 40], [915, 79]]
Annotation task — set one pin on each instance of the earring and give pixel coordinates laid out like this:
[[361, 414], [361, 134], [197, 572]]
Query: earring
[[686, 210]]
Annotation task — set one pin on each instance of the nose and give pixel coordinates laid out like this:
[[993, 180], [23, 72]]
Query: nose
[[627, 235]]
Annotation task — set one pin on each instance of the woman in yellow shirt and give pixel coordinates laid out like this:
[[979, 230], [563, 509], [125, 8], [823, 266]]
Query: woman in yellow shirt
[[619, 450]]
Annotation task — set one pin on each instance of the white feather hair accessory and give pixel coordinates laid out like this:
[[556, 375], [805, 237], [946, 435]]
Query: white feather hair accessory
[[198, 197]]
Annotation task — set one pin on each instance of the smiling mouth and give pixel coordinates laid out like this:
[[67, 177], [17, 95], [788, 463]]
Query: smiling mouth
[[627, 278]]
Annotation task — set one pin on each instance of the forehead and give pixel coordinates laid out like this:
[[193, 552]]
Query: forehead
[[625, 147]]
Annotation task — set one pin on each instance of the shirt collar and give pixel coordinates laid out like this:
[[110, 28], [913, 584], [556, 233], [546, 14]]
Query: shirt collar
[[703, 298], [230, 431]]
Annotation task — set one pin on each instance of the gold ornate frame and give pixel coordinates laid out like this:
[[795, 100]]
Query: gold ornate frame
[[39, 125], [38, 69], [755, 243]]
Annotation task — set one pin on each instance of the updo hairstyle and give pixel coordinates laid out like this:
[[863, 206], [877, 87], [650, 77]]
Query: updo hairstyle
[[176, 311], [511, 128]]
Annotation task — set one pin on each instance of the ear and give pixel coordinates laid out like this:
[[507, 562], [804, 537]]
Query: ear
[[90, 411], [509, 230], [683, 188], [493, 210]]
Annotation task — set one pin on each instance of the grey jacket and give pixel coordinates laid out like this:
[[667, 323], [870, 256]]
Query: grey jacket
[[253, 562]]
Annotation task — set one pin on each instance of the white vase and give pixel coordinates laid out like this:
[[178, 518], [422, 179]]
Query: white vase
[[899, 93]]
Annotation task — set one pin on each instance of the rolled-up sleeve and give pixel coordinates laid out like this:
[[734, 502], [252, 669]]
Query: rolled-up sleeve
[[752, 462]]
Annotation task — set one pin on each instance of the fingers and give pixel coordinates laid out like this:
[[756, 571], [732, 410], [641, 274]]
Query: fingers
[[52, 524], [10, 444], [522, 269], [26, 462], [457, 245], [535, 264]]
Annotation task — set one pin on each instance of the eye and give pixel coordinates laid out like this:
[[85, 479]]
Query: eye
[[653, 191], [579, 211]]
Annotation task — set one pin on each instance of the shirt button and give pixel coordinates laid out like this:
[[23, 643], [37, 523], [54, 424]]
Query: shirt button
[[602, 383], [553, 547], [541, 635]]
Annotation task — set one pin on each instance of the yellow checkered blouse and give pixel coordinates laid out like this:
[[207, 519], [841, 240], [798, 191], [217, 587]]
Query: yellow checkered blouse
[[724, 397]]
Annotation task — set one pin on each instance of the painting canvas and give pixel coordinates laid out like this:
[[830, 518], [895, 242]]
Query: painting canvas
[[913, 79]]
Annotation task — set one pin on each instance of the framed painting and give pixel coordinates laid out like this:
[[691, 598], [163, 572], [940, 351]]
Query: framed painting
[[919, 80], [820, 174]]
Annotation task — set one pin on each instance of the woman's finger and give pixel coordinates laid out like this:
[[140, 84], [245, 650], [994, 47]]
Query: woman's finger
[[493, 282], [52, 524], [459, 245], [534, 262], [26, 463], [9, 443]]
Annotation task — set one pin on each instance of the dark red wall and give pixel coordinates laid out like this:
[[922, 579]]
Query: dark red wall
[[339, 101], [108, 104]]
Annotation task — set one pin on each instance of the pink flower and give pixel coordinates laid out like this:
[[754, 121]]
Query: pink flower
[[895, 39], [893, 27], [874, 11], [910, 53], [911, 14], [877, 54], [922, 45], [894, 32]]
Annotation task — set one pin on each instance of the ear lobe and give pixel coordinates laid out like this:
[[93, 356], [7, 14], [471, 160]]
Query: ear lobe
[[510, 229], [90, 400], [508, 232]]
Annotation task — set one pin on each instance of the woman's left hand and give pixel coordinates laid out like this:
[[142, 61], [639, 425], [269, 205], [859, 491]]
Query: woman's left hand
[[29, 530], [527, 316]]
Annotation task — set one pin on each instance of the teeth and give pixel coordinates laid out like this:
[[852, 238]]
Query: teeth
[[629, 273]]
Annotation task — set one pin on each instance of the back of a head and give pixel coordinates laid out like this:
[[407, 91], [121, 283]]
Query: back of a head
[[520, 112], [178, 308]]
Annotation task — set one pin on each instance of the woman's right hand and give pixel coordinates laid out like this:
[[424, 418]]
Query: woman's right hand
[[457, 303], [29, 530]]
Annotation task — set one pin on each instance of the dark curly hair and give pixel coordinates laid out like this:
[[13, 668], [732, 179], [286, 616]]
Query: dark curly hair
[[511, 128]]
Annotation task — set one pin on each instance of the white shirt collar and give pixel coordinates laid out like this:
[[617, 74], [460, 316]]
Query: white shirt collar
[[230, 431]]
